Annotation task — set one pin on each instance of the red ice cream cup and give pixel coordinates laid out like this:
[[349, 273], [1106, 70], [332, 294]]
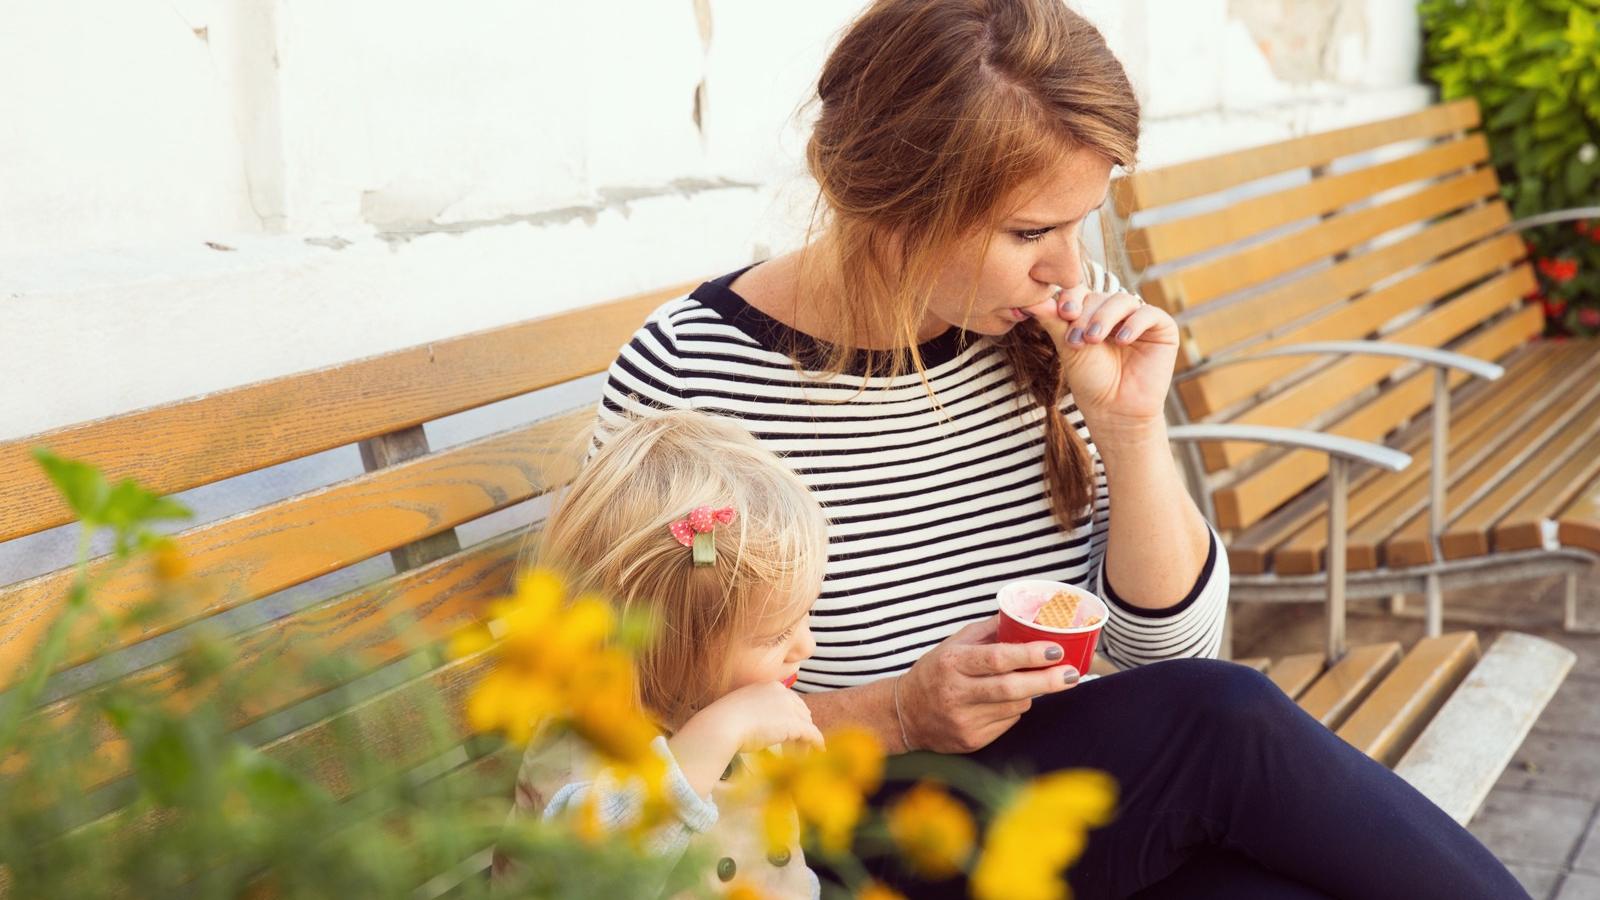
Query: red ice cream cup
[[1020, 602]]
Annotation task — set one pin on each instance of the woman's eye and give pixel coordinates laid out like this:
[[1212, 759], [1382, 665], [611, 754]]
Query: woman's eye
[[1033, 234], [789, 632]]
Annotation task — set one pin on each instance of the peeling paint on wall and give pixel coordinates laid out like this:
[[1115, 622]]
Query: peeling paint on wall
[[1303, 39], [612, 199], [702, 21]]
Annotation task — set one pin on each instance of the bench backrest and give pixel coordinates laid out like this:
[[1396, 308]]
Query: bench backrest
[[1389, 230], [407, 504]]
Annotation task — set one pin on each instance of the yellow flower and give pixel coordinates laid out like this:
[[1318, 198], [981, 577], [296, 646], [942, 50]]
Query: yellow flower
[[743, 890], [170, 563], [877, 891], [514, 706], [857, 756], [779, 822], [933, 830], [824, 788], [1039, 834]]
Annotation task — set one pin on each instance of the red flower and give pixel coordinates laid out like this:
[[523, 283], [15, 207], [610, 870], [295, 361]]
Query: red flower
[[1555, 309], [1560, 271], [1582, 227], [1589, 317]]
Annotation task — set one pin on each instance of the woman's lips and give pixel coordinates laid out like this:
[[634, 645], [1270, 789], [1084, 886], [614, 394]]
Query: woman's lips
[[789, 682], [1018, 314]]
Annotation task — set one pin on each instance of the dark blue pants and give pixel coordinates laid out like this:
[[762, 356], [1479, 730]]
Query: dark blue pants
[[1229, 790]]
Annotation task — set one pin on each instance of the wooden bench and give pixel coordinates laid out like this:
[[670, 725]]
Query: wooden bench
[[407, 506], [1337, 296]]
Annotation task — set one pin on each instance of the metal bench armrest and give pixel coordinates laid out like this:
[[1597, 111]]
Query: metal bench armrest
[[1301, 438], [1341, 451], [1554, 216], [1433, 356]]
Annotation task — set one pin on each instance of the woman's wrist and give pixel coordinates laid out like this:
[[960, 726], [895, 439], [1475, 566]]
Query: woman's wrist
[[899, 716], [869, 706]]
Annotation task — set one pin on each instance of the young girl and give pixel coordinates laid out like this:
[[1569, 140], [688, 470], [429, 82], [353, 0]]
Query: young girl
[[686, 519]]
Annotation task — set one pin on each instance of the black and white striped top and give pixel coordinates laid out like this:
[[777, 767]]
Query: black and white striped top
[[931, 508]]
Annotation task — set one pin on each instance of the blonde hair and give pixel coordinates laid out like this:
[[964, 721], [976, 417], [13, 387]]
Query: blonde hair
[[932, 114], [610, 535]]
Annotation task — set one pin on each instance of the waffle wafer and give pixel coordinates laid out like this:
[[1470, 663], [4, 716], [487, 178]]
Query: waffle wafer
[[1059, 611]]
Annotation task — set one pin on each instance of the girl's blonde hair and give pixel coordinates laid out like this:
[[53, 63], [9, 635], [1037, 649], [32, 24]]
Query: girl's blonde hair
[[932, 114], [610, 535]]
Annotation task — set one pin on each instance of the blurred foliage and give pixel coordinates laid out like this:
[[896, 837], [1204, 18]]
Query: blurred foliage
[[148, 786], [1534, 67]]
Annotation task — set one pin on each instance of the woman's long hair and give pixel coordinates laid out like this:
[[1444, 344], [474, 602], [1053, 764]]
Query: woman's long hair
[[932, 113]]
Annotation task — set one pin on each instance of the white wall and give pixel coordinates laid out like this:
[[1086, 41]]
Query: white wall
[[375, 173]]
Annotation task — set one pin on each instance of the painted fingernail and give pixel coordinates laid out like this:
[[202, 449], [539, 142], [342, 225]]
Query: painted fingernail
[[1125, 334], [1069, 308], [1075, 336], [1069, 675], [1052, 653], [1095, 329]]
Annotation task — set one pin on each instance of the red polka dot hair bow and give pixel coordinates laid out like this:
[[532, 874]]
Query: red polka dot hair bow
[[697, 531]]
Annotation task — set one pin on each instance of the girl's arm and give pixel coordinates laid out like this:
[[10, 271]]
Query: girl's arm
[[618, 805]]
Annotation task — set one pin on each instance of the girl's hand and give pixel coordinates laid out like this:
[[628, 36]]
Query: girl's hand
[[760, 715], [1118, 354], [970, 689], [751, 718]]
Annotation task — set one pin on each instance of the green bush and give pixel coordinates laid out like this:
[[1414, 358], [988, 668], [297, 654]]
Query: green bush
[[1534, 67]]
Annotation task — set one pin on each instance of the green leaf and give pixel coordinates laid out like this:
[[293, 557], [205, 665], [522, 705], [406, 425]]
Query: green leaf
[[1514, 112], [82, 485]]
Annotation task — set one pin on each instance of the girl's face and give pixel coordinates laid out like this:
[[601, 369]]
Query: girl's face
[[774, 652], [1035, 248]]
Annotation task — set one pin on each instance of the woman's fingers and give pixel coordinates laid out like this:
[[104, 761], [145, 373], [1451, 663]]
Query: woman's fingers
[[1019, 686], [1104, 318]]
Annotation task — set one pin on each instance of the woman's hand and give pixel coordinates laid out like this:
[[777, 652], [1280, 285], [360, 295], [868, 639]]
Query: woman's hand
[[970, 689], [1118, 354]]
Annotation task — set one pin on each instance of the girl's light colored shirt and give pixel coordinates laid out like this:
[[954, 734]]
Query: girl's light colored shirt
[[726, 828]]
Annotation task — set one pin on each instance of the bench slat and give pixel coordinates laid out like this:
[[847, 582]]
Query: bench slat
[[294, 540], [1258, 215], [1580, 521], [1461, 753], [1408, 545], [1259, 263], [1343, 379], [1468, 532], [1524, 526], [1259, 663], [1251, 549], [1169, 184], [183, 445], [1246, 501], [364, 624], [1215, 390], [1294, 673], [1215, 328], [1347, 682], [386, 727], [1382, 499], [1398, 708]]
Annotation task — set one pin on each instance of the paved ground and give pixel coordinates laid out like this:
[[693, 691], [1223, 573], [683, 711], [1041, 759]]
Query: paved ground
[[1543, 818]]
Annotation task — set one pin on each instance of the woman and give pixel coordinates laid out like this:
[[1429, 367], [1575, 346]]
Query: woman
[[933, 365]]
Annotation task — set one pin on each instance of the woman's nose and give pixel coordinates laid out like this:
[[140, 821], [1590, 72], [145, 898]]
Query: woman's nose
[[1060, 264]]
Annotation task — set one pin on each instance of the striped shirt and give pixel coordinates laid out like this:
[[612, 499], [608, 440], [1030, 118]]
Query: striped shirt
[[931, 507]]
